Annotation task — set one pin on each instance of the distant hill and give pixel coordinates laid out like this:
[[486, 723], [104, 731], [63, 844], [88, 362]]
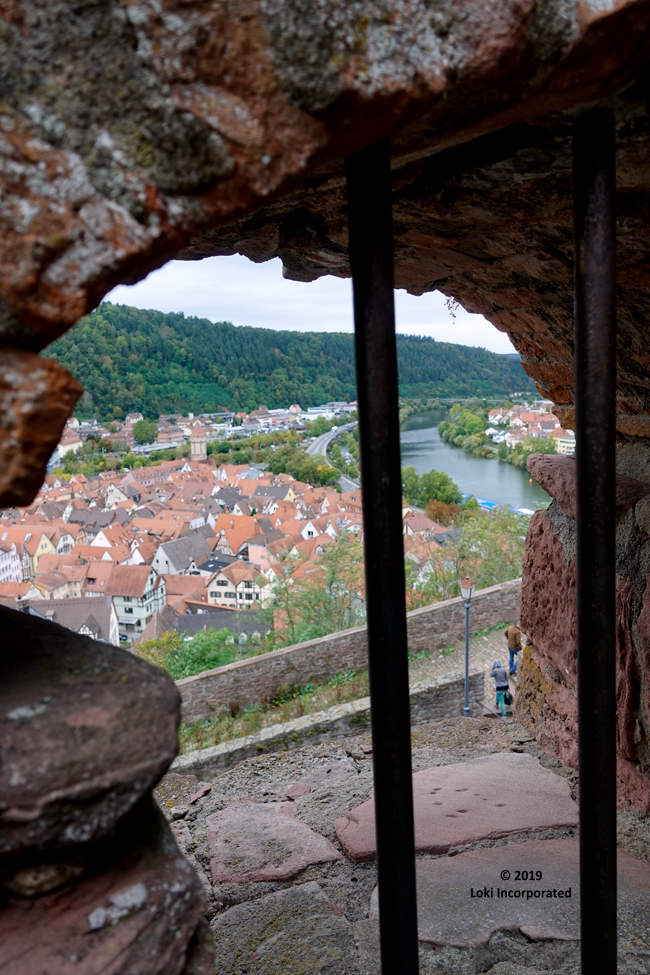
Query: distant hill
[[151, 362]]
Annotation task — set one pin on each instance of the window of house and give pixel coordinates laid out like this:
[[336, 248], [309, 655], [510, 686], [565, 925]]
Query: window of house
[[249, 595], [127, 599], [215, 595], [229, 595], [129, 609], [222, 582], [248, 585]]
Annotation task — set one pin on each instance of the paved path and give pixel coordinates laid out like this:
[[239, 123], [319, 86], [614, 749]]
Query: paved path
[[483, 650]]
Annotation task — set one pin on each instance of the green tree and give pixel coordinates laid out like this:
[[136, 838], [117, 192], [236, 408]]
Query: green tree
[[491, 547], [144, 431], [319, 426], [287, 617], [530, 445], [134, 359], [156, 650], [490, 550], [410, 482], [437, 581], [205, 651], [184, 658], [332, 599], [71, 464], [438, 486]]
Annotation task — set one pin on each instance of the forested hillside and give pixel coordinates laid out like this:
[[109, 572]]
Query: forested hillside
[[129, 359]]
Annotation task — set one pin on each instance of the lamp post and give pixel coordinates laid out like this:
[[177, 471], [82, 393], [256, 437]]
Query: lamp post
[[466, 591]]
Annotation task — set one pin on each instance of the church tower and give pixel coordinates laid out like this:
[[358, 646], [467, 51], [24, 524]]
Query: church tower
[[198, 440]]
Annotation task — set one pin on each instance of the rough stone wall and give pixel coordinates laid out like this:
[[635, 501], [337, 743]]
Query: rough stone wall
[[257, 679], [132, 131], [87, 731], [547, 697]]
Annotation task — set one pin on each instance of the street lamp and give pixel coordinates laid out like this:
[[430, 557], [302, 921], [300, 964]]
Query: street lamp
[[466, 591]]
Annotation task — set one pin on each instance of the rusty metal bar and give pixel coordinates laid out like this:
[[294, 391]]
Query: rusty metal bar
[[371, 262], [595, 392]]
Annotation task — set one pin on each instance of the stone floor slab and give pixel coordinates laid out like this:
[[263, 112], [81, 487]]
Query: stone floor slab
[[285, 933], [486, 798], [252, 842], [463, 900]]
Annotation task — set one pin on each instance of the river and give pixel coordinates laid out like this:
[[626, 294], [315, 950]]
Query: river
[[423, 449]]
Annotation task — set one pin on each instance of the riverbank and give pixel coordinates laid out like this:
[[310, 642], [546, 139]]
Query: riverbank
[[407, 410], [423, 448]]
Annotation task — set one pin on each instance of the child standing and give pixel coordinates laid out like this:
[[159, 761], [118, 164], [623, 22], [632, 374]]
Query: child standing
[[500, 675]]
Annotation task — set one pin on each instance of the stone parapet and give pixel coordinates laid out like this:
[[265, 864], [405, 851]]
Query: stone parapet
[[430, 701], [257, 679]]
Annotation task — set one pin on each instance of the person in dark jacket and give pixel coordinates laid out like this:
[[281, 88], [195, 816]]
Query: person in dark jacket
[[500, 675]]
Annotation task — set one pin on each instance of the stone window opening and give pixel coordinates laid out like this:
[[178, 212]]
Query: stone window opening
[[480, 251]]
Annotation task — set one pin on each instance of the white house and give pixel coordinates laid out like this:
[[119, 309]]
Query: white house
[[11, 567], [239, 586], [138, 592]]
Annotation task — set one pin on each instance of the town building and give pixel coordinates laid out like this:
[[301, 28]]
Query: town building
[[11, 569], [138, 592], [181, 556], [238, 584], [198, 441], [95, 618]]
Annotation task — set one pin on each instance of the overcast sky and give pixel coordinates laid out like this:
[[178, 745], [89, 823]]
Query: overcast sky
[[234, 289]]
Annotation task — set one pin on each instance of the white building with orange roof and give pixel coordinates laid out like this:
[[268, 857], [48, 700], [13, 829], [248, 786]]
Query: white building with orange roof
[[70, 443], [16, 592], [97, 575], [138, 592], [233, 541], [11, 569], [119, 554], [239, 585], [112, 535], [31, 542], [226, 473]]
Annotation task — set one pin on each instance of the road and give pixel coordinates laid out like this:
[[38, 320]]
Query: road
[[319, 448]]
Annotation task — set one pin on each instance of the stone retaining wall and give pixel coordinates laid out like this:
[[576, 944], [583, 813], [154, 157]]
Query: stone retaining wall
[[430, 701], [253, 680]]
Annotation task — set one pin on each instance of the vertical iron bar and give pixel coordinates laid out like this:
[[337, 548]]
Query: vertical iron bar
[[371, 262], [466, 705], [595, 392]]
